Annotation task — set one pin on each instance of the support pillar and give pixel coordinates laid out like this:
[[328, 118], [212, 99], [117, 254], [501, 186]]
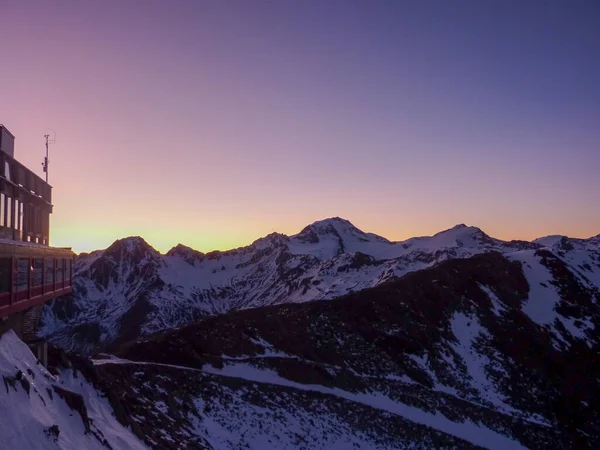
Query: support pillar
[[42, 352]]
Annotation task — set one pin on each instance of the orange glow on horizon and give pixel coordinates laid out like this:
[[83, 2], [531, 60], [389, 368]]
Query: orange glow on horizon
[[212, 126], [225, 235]]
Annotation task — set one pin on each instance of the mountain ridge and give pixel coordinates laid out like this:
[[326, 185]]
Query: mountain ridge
[[334, 338], [329, 223], [130, 288]]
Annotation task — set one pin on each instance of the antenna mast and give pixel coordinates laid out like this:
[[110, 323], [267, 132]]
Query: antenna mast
[[46, 161]]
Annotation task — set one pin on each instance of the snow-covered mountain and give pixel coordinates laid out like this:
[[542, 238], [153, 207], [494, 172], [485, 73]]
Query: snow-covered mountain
[[457, 340], [131, 290], [497, 351]]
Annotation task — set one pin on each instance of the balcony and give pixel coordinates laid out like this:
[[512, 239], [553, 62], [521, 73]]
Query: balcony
[[31, 275]]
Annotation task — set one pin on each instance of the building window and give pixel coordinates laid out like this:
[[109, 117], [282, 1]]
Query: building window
[[68, 262], [29, 220], [20, 223], [59, 270], [38, 270], [5, 270], [15, 211], [2, 213], [49, 271], [22, 279], [8, 212]]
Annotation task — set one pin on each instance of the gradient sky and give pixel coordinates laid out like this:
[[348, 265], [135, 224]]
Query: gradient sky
[[213, 123]]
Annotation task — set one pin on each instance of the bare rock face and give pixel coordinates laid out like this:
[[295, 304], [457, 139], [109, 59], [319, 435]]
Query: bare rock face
[[76, 403]]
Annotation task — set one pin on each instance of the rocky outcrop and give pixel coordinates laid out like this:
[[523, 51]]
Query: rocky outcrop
[[76, 403]]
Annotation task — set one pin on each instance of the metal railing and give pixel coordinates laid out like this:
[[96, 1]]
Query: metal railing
[[19, 175]]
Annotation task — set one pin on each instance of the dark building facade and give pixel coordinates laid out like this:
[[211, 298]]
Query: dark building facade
[[25, 198], [31, 271]]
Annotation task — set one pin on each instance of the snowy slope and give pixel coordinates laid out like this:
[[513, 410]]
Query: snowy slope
[[31, 408], [130, 290], [450, 356], [562, 297], [496, 350]]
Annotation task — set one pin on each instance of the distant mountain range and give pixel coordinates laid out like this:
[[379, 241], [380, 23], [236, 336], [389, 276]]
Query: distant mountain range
[[329, 339], [131, 290]]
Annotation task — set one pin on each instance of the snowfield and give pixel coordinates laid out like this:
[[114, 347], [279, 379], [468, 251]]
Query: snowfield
[[28, 414]]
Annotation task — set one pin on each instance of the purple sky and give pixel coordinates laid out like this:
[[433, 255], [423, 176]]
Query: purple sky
[[213, 123]]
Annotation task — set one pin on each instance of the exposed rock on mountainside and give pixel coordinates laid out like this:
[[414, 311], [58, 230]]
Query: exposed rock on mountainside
[[462, 355], [130, 290]]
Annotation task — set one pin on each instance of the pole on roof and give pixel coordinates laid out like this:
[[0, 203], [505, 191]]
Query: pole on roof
[[45, 163], [46, 160]]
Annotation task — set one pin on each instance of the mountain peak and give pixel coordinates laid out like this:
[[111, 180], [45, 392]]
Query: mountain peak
[[184, 250], [132, 245], [335, 227], [332, 237], [333, 220], [332, 225], [276, 239], [564, 243], [465, 234]]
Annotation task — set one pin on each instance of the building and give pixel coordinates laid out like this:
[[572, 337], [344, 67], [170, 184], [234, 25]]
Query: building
[[31, 271]]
